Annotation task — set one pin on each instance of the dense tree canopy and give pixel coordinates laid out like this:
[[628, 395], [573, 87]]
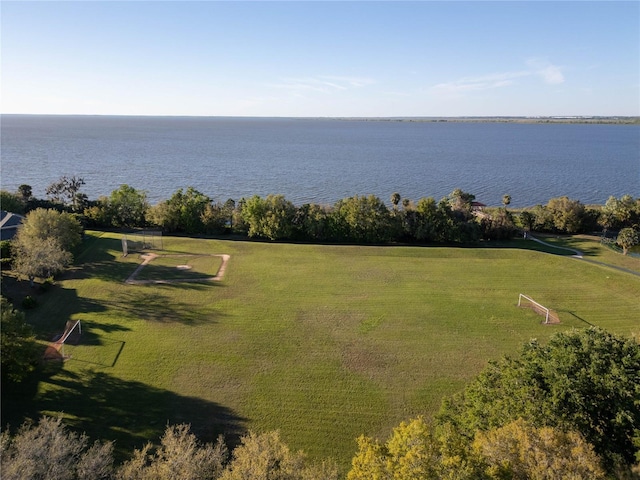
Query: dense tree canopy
[[17, 344], [587, 381], [42, 246], [271, 217]]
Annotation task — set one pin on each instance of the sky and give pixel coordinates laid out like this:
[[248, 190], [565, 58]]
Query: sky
[[321, 58]]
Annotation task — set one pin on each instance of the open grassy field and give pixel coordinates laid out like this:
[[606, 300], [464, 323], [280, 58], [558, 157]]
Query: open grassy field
[[323, 343]]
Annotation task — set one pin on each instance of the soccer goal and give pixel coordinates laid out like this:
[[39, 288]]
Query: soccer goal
[[527, 302], [72, 332]]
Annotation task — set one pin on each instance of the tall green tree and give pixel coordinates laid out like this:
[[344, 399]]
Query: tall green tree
[[364, 219], [37, 257], [566, 215], [42, 247], [11, 202], [127, 207], [183, 212], [587, 381], [18, 344], [271, 217], [50, 224]]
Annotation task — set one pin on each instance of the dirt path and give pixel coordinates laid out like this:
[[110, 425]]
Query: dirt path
[[148, 257]]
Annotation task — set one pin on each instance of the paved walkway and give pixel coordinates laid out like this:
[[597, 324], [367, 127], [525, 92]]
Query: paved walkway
[[580, 255]]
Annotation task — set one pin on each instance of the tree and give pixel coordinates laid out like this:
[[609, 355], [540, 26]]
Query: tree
[[67, 192], [566, 215], [271, 217], [627, 238], [127, 207], [11, 202], [18, 345], [364, 219], [48, 223], [265, 456], [25, 192], [42, 246], [506, 200], [620, 213], [47, 450], [395, 200], [182, 212], [520, 450], [36, 257], [586, 381], [410, 453], [180, 456]]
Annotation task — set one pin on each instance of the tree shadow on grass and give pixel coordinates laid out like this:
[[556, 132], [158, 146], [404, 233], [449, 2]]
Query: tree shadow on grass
[[158, 303], [108, 408]]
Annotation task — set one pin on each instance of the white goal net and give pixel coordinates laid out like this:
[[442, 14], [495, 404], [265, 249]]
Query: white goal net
[[549, 315]]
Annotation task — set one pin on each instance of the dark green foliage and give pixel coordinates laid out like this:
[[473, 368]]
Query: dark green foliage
[[29, 302], [11, 202], [363, 219], [586, 381], [183, 212], [127, 207], [18, 346], [271, 217]]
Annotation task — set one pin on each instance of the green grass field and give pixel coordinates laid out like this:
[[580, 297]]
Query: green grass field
[[323, 343]]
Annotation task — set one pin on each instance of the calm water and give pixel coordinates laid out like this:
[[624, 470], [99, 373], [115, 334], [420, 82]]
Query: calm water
[[322, 160]]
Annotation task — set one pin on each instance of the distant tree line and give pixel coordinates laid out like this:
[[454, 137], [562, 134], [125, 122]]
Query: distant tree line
[[456, 218], [564, 410]]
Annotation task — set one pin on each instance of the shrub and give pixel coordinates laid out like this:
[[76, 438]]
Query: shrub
[[29, 302]]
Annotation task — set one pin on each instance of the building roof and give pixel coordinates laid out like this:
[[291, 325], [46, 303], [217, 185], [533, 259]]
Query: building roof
[[9, 223]]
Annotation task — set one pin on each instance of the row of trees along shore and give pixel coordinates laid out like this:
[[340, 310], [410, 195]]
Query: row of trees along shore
[[565, 410], [456, 218], [523, 417]]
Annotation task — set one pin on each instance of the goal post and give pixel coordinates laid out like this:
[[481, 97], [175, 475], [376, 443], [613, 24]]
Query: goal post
[[525, 301], [55, 350]]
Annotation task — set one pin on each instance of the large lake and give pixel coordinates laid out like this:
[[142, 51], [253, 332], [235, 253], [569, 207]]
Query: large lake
[[322, 160]]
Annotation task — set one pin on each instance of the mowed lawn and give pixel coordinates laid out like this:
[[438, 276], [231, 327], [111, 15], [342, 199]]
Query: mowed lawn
[[323, 343]]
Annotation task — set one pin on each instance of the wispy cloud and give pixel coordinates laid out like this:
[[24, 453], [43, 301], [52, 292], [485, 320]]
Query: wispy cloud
[[484, 82], [550, 74], [322, 83]]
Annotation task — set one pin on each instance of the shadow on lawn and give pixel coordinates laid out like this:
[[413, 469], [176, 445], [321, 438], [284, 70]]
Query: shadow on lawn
[[109, 408], [151, 303]]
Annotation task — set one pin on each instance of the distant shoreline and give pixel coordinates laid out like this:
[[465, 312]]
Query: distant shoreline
[[577, 119], [560, 119]]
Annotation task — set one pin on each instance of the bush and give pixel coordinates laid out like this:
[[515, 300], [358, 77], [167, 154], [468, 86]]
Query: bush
[[29, 302]]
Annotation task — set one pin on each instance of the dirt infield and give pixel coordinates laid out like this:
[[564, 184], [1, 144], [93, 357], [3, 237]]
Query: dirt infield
[[148, 258]]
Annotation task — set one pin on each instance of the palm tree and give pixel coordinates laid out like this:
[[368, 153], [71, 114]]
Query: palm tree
[[506, 200], [395, 199]]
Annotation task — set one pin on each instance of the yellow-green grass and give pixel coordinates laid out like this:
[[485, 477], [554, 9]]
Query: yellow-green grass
[[323, 343]]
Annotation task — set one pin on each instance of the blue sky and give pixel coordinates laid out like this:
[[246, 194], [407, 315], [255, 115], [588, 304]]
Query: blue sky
[[328, 58]]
